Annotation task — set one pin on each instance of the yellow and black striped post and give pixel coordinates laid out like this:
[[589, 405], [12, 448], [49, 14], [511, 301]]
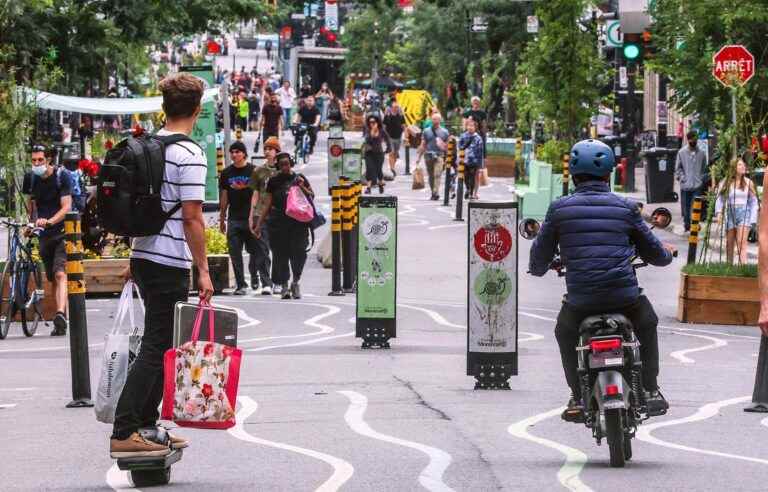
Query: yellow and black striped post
[[336, 289], [78, 323], [566, 173], [239, 134], [347, 217], [460, 188], [358, 190], [219, 160], [407, 145], [450, 157], [693, 239]]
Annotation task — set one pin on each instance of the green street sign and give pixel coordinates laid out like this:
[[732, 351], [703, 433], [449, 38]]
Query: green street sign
[[613, 36], [377, 261], [204, 132]]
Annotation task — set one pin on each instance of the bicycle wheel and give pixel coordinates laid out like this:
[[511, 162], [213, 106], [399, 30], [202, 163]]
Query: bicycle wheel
[[6, 303], [32, 312]]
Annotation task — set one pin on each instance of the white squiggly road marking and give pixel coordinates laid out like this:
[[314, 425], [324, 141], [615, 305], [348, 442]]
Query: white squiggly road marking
[[682, 355], [431, 477], [568, 475], [644, 432], [342, 470], [313, 322]]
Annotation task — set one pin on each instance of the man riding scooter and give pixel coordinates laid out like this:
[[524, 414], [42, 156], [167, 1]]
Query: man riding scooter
[[599, 234]]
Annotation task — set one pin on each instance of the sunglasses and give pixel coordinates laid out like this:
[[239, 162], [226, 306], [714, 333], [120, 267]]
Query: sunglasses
[[38, 148]]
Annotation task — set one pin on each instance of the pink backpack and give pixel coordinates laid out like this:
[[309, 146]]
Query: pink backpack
[[298, 206]]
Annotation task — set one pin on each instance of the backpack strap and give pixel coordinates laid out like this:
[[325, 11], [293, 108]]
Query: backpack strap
[[174, 138]]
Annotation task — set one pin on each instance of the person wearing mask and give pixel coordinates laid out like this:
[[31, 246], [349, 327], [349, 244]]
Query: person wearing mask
[[288, 238], [48, 204], [324, 96], [259, 179], [287, 99], [234, 206], [375, 146], [432, 150], [160, 266], [690, 168], [394, 124], [472, 144], [271, 122], [737, 204], [309, 115]]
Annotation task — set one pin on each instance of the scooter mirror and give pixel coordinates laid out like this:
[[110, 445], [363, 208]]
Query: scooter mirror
[[661, 217], [529, 228]]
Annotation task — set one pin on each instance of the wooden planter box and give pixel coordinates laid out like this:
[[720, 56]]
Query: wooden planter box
[[218, 267], [718, 300], [105, 275], [502, 166]]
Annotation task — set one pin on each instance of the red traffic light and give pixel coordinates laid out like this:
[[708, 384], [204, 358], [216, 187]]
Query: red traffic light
[[331, 37], [323, 30], [286, 33]]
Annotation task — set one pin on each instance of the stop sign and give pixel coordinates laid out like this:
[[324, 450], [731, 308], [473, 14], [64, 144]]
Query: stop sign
[[733, 65]]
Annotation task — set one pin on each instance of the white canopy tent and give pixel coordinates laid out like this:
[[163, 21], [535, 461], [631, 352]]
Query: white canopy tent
[[104, 105]]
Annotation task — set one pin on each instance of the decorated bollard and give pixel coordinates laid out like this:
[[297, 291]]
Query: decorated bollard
[[407, 155], [358, 190], [450, 158], [376, 309], [693, 239], [219, 160], [492, 294], [336, 289], [78, 322], [335, 161], [460, 188], [347, 200], [566, 173]]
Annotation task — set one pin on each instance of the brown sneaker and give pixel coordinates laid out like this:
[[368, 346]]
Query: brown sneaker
[[136, 446], [177, 442]]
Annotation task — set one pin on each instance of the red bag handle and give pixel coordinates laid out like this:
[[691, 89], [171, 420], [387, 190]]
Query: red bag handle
[[203, 306]]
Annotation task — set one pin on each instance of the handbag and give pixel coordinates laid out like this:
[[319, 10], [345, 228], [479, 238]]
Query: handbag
[[298, 206], [201, 379], [120, 350], [418, 178]]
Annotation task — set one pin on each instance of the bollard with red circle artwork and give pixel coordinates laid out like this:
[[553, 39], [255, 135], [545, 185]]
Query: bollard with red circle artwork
[[492, 294]]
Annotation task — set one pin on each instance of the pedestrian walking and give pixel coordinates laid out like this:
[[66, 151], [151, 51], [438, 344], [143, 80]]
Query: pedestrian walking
[[243, 110], [268, 48], [288, 238], [432, 150], [287, 99], [323, 97], [690, 170], [160, 266], [254, 107], [336, 112], [736, 209], [271, 122], [394, 124], [235, 194], [50, 199], [375, 146], [472, 144], [259, 179]]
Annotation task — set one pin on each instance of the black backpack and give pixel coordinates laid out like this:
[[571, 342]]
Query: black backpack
[[128, 192]]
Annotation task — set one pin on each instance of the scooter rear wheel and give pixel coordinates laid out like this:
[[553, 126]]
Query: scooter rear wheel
[[627, 447], [615, 434]]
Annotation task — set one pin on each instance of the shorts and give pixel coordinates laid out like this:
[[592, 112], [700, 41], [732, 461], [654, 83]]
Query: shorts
[[396, 142], [54, 255], [735, 216]]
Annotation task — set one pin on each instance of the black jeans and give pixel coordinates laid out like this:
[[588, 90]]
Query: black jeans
[[288, 241], [470, 178], [239, 235], [161, 288], [373, 167], [644, 320]]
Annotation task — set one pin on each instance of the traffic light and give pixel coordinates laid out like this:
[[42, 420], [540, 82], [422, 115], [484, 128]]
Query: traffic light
[[327, 38], [631, 49], [649, 49]]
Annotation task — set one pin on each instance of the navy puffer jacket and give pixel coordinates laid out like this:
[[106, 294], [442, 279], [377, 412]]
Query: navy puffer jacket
[[598, 234]]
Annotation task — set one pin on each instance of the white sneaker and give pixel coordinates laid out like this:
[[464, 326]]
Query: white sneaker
[[266, 290]]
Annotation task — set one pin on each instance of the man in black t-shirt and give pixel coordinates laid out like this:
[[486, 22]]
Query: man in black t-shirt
[[394, 124], [235, 194], [48, 204], [271, 118], [309, 115]]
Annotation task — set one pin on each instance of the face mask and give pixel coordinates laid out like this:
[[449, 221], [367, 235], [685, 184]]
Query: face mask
[[39, 170]]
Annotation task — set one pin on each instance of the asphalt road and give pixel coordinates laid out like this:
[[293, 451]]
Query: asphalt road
[[318, 413]]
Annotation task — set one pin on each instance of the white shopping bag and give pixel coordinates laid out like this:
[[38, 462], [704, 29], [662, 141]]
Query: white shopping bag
[[121, 345]]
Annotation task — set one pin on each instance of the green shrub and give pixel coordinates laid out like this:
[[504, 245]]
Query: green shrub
[[721, 269], [215, 241], [552, 153]]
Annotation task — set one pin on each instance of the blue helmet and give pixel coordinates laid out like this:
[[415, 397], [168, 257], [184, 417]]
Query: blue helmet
[[591, 157]]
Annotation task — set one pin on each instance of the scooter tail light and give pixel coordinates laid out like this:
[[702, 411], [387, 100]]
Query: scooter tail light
[[605, 345], [611, 390]]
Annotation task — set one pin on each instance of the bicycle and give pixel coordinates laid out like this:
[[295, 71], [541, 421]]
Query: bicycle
[[25, 287], [301, 150]]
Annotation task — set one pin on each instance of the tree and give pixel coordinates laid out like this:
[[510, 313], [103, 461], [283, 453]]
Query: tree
[[561, 72]]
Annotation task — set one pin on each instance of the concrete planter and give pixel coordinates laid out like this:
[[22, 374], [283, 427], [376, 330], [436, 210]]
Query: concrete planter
[[718, 300]]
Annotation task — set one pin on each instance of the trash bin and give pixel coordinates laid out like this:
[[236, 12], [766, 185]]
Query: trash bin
[[659, 175]]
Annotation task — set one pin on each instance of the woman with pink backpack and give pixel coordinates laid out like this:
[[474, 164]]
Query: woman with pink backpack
[[287, 211]]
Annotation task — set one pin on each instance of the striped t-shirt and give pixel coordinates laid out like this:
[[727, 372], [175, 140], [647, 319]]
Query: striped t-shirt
[[184, 180]]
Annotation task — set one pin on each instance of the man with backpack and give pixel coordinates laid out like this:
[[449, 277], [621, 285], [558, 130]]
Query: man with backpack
[[163, 212], [49, 202]]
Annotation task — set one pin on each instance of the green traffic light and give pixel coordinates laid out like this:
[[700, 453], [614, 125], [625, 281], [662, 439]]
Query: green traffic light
[[631, 51]]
